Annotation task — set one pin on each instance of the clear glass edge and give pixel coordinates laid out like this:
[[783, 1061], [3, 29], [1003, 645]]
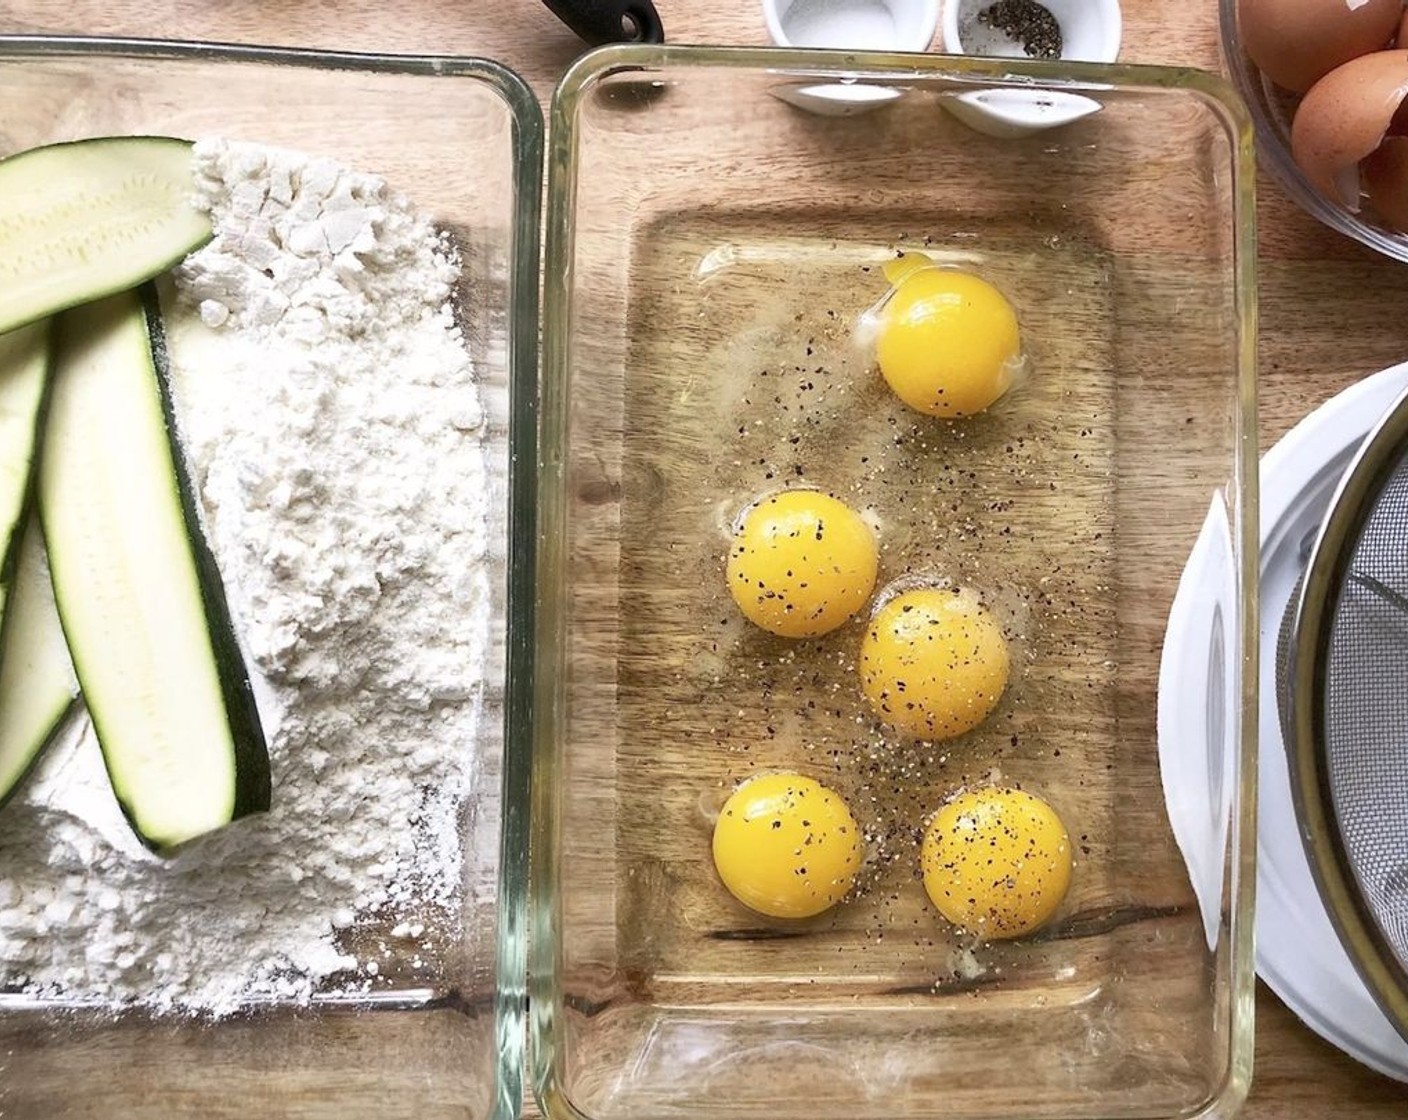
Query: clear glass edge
[[1229, 107], [527, 139]]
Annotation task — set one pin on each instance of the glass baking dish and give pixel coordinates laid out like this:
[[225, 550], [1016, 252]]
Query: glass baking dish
[[463, 139], [717, 224]]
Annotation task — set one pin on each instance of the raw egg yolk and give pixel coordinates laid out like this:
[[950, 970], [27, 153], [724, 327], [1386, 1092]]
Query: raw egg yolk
[[801, 563], [786, 846], [933, 662], [947, 342], [997, 862]]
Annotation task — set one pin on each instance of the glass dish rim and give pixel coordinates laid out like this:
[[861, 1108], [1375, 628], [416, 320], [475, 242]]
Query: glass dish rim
[[527, 144], [881, 66], [575, 85]]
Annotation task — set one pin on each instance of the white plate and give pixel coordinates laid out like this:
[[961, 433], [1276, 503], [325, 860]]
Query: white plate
[[1298, 953]]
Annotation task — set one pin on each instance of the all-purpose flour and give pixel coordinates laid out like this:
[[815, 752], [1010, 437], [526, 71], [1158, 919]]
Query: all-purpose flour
[[331, 419]]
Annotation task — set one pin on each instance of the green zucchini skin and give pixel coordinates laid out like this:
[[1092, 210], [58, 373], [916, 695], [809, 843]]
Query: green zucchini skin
[[84, 219], [139, 594]]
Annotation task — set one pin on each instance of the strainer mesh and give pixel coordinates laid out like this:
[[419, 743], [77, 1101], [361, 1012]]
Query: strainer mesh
[[1366, 712]]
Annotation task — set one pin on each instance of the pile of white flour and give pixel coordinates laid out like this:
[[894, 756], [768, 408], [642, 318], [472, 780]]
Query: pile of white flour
[[332, 424]]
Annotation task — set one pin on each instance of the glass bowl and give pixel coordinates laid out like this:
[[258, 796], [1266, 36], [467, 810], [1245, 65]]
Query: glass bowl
[[1272, 110], [711, 250], [463, 139]]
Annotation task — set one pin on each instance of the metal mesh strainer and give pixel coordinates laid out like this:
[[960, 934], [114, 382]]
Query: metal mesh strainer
[[1342, 684]]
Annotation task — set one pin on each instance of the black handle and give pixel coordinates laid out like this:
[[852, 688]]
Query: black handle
[[610, 21]]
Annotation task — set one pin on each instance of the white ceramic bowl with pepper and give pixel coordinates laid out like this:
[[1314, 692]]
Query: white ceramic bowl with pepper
[[1069, 30]]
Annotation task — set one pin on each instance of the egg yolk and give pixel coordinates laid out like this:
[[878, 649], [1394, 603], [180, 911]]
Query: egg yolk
[[933, 663], [801, 563], [997, 862], [947, 341], [786, 846]]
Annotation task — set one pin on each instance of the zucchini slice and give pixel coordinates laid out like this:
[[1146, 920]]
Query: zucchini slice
[[24, 380], [82, 220], [37, 687], [139, 594]]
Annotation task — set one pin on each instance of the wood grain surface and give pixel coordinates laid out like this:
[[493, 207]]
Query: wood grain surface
[[1331, 311]]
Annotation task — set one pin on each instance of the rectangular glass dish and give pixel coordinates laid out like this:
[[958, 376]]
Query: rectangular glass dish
[[462, 139], [718, 225]]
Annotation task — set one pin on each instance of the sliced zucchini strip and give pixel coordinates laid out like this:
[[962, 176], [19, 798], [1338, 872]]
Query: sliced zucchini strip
[[140, 597], [24, 380], [37, 686], [81, 220]]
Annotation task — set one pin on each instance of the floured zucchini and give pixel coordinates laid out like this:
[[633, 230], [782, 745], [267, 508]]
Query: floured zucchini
[[140, 598]]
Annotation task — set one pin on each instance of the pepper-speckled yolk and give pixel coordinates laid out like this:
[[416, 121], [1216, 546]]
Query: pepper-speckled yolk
[[933, 663], [947, 341], [801, 563], [997, 862], [786, 846]]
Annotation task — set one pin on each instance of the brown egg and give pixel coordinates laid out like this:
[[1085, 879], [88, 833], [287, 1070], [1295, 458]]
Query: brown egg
[[1297, 42], [1344, 117], [1401, 39], [1386, 182]]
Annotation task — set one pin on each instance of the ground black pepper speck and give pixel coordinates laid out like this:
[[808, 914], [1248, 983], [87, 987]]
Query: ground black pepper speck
[[1028, 24]]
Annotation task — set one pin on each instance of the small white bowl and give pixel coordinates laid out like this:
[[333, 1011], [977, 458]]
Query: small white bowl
[[1090, 32], [855, 25]]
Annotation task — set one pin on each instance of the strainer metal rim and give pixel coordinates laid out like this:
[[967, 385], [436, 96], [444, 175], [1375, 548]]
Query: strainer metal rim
[[1315, 609]]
